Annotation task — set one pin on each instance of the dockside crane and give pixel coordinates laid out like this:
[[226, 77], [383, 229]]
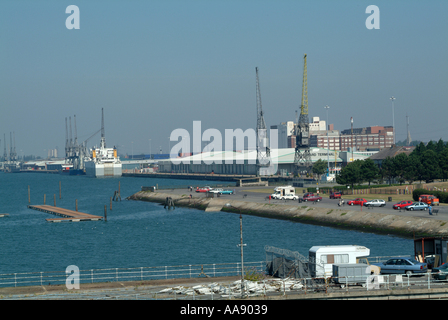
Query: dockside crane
[[302, 157], [263, 150]]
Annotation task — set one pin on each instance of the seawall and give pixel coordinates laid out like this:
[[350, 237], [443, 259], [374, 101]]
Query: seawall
[[346, 218]]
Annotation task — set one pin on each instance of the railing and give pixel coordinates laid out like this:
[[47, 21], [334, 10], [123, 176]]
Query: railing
[[129, 274]]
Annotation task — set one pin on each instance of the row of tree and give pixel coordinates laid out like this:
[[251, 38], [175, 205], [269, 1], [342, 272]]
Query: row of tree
[[425, 163]]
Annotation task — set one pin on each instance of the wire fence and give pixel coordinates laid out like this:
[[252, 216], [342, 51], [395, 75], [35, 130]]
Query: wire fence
[[129, 274]]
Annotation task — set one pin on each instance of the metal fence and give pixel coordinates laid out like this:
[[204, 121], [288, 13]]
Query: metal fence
[[129, 274]]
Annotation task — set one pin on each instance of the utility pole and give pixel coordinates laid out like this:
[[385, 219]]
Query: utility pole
[[328, 144], [393, 117]]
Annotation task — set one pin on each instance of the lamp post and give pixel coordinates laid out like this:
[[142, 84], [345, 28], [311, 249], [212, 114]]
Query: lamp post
[[393, 118], [328, 146], [241, 245]]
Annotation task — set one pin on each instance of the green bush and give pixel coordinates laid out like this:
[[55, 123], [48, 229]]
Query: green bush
[[442, 196]]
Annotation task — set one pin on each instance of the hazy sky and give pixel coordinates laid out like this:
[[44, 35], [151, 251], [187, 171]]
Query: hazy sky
[[155, 66]]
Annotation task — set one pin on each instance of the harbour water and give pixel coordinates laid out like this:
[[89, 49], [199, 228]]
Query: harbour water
[[142, 234]]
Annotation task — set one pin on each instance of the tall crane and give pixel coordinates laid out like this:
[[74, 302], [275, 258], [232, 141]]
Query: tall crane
[[302, 157], [263, 151]]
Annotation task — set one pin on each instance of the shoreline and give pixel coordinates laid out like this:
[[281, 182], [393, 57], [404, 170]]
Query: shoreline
[[344, 218]]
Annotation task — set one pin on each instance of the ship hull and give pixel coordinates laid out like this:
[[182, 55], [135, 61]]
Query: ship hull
[[103, 169]]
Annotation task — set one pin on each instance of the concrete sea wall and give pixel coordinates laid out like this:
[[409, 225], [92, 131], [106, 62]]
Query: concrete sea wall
[[347, 217]]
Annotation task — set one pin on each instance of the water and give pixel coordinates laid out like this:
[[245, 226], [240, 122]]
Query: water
[[142, 234]]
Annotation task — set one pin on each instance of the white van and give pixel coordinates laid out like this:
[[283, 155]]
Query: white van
[[325, 256], [281, 191]]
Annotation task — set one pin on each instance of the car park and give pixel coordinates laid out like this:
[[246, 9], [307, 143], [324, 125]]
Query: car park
[[402, 265], [441, 272], [357, 201], [375, 203], [335, 195], [402, 204], [417, 206], [289, 197]]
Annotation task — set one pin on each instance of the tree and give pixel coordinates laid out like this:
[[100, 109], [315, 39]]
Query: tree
[[400, 165], [430, 163], [350, 174], [320, 167], [387, 169], [369, 170]]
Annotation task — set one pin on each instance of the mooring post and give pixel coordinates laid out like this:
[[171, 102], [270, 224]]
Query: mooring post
[[76, 205], [110, 203], [54, 198], [29, 197], [44, 198], [60, 193], [105, 212]]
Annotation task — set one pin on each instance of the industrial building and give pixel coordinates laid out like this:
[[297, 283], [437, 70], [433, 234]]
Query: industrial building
[[244, 162]]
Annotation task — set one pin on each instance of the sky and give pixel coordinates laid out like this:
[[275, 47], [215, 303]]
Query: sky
[[158, 65]]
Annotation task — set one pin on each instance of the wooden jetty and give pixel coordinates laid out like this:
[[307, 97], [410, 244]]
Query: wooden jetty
[[65, 214]]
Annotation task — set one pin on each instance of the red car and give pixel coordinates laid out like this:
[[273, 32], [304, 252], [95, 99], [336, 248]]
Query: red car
[[335, 195], [402, 204], [357, 201], [311, 197], [206, 189]]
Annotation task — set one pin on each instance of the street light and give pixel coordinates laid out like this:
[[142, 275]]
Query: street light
[[328, 145], [241, 245], [393, 117]]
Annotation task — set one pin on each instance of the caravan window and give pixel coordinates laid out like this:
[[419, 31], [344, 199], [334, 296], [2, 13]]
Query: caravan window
[[335, 258]]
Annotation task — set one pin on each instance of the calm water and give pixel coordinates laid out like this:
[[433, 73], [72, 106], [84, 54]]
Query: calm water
[[141, 234]]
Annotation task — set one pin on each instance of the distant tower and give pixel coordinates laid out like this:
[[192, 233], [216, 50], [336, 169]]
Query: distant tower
[[263, 152], [302, 157], [408, 139]]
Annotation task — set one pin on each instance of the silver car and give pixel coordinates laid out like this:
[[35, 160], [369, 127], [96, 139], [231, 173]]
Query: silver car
[[402, 265], [417, 206], [375, 203]]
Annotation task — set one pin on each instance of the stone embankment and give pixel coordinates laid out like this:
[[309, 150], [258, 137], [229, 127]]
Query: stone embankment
[[347, 217]]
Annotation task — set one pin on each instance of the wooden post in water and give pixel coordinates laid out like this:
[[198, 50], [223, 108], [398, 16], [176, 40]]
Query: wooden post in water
[[110, 203], [60, 193], [54, 197], [76, 205], [105, 212], [45, 198], [29, 197]]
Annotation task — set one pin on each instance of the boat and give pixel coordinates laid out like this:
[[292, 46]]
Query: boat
[[68, 170], [102, 161]]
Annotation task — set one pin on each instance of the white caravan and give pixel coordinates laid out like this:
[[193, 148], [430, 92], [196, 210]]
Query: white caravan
[[322, 258]]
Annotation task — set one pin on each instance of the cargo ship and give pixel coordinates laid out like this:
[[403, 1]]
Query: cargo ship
[[102, 161]]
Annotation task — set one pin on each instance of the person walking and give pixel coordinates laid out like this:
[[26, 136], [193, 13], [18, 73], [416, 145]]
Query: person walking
[[430, 210]]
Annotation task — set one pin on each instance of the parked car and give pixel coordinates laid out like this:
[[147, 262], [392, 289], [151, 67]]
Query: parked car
[[276, 195], [217, 190], [402, 265], [440, 273], [311, 197], [402, 204], [205, 189], [357, 201], [417, 206], [335, 195], [289, 197], [375, 203], [226, 192]]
